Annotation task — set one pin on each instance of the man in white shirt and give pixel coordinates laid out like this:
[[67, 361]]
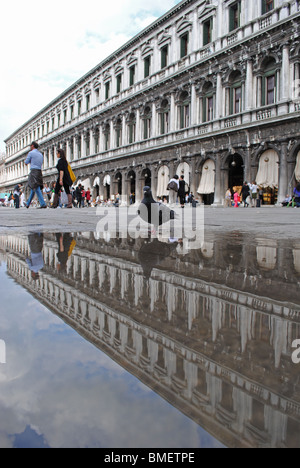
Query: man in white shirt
[[254, 193]]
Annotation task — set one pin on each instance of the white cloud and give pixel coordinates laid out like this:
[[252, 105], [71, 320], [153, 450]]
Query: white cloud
[[46, 49]]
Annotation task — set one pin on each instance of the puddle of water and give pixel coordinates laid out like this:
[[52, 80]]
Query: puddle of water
[[144, 343]]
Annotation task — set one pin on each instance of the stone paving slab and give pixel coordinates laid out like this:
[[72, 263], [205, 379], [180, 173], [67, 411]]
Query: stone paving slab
[[268, 222]]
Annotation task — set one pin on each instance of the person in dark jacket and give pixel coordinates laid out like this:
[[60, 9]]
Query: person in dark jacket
[[181, 191], [64, 179], [245, 194]]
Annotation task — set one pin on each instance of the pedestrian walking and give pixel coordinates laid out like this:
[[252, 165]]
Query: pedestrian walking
[[181, 191], [35, 181], [254, 194], [237, 200], [245, 194], [173, 188], [17, 193], [64, 179], [228, 199]]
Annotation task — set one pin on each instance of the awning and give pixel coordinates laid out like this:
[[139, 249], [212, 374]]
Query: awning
[[86, 184], [297, 171], [207, 182], [106, 180], [183, 170], [163, 181], [96, 182], [268, 172]]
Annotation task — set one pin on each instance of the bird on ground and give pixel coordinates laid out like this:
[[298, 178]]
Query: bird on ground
[[153, 212]]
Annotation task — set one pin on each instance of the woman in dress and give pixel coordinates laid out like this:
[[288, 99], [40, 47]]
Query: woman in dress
[[64, 179]]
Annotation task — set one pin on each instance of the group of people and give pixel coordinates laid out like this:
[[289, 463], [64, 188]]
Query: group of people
[[250, 195], [179, 190]]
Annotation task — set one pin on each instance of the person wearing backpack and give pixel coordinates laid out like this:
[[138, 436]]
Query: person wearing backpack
[[173, 188]]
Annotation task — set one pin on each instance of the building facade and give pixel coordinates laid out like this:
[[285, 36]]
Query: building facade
[[210, 91]]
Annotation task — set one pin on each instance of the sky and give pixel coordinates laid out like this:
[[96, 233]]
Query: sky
[[45, 49]]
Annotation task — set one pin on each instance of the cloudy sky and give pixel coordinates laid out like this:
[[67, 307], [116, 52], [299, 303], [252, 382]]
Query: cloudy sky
[[45, 49]]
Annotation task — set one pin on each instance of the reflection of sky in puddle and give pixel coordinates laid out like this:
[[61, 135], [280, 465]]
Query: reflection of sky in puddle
[[209, 329], [58, 390]]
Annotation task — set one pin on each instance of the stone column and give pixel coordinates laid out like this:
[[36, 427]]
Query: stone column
[[218, 202], [283, 173], [124, 198], [285, 80], [138, 188]]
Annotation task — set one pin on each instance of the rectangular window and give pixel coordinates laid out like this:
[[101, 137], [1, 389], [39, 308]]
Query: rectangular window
[[79, 107], [71, 112], [184, 45], [107, 141], [267, 5], [207, 31], [208, 109], [65, 116], [58, 121], [131, 133], [119, 83], [147, 65], [118, 138], [107, 91], [235, 16], [88, 100], [270, 89], [184, 116], [132, 75], [164, 57], [147, 129], [164, 123]]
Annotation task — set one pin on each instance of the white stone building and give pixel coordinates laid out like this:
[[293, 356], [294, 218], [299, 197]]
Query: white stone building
[[210, 90]]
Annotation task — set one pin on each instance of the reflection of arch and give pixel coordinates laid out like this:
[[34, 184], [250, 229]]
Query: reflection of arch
[[268, 171], [163, 180], [184, 169]]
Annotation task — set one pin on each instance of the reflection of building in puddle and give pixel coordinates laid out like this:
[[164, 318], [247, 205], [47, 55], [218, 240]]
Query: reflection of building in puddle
[[211, 331]]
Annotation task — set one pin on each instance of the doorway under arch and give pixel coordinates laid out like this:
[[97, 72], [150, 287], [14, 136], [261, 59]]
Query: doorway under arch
[[236, 171]]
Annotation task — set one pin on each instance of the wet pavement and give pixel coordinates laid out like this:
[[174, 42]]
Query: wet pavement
[[122, 342]]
